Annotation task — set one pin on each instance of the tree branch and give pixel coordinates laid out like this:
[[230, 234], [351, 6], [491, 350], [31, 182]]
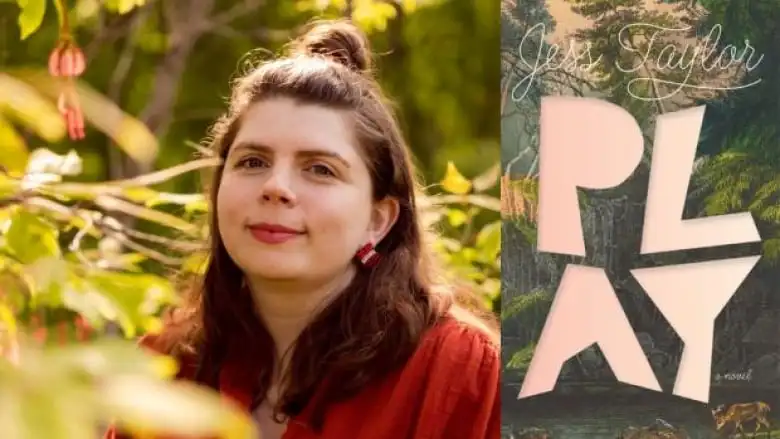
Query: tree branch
[[226, 18], [117, 81]]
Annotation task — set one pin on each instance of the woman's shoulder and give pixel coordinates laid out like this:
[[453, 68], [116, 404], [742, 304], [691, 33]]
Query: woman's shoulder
[[453, 381], [457, 343], [455, 359]]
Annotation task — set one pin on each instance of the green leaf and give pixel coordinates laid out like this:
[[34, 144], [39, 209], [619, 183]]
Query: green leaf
[[24, 104], [489, 239], [36, 401], [131, 298], [30, 237], [13, 150], [456, 217], [31, 16], [454, 182], [48, 275], [82, 297], [196, 263], [521, 359], [140, 194], [373, 16], [142, 406], [109, 357], [491, 287], [197, 204], [122, 6], [8, 187]]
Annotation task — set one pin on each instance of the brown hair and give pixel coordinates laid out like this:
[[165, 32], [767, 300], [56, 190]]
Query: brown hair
[[376, 324]]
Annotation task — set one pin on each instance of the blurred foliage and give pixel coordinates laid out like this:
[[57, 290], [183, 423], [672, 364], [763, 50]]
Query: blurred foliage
[[95, 228]]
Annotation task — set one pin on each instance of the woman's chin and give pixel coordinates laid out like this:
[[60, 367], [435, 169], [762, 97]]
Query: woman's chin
[[277, 272]]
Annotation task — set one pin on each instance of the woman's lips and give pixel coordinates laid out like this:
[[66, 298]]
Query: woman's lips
[[273, 233]]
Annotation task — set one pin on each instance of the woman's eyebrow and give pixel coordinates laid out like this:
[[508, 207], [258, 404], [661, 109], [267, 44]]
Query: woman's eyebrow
[[309, 152]]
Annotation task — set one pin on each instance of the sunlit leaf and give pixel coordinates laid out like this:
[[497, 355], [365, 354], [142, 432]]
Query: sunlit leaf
[[454, 182], [112, 357], [197, 205], [38, 398], [142, 406], [7, 319], [13, 150], [456, 217], [489, 238], [491, 287], [132, 297], [8, 186], [47, 272], [196, 263], [9, 349], [24, 104], [122, 6], [30, 237], [139, 194], [373, 15], [82, 297], [31, 16]]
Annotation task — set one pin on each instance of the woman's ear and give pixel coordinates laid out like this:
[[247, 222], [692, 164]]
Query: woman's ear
[[383, 217]]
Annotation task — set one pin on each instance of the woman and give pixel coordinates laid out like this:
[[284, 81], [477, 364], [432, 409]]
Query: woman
[[320, 311]]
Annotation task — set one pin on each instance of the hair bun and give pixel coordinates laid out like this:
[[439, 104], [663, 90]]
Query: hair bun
[[338, 40]]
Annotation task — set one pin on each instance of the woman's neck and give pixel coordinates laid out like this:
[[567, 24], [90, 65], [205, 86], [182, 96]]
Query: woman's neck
[[286, 307]]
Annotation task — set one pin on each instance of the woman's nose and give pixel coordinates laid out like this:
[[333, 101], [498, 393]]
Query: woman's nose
[[277, 189]]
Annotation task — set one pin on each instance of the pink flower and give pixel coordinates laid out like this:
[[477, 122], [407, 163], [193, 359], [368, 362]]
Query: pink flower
[[69, 107], [67, 60]]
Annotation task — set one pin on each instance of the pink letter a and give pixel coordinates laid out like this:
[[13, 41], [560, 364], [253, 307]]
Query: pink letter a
[[586, 311]]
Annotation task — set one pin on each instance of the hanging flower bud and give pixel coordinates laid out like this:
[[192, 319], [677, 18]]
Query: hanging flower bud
[[67, 60], [83, 330], [70, 109]]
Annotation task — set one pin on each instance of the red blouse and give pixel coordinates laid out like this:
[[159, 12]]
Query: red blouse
[[449, 389]]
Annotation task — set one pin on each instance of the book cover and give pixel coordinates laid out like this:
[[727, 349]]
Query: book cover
[[664, 327]]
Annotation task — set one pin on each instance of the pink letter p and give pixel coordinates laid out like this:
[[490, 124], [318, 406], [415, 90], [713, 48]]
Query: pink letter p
[[587, 143]]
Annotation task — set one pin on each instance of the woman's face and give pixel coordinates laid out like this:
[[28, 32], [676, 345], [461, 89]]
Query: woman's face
[[295, 199]]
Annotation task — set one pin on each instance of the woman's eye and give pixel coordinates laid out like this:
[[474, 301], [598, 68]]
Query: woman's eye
[[322, 170], [251, 162]]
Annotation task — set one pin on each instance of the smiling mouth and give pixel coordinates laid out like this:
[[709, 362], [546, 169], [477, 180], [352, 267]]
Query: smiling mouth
[[273, 234]]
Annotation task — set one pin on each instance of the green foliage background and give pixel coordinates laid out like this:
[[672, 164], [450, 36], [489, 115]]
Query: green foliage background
[[91, 230]]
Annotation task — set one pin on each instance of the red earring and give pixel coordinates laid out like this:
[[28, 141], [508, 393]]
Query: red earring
[[368, 256]]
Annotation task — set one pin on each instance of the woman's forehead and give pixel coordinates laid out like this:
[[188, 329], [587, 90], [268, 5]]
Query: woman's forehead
[[282, 126]]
